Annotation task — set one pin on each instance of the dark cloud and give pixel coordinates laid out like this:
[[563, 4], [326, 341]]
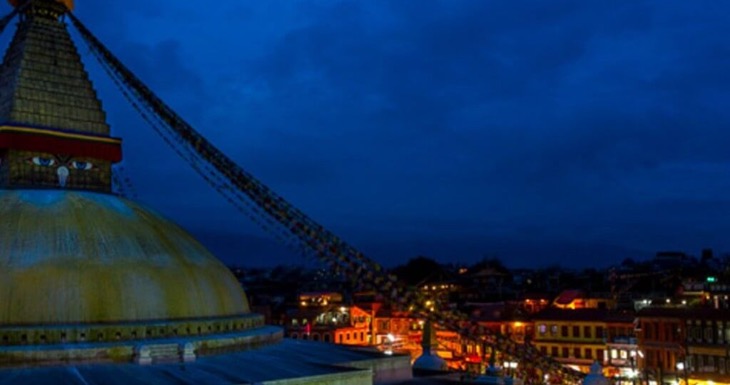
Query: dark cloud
[[445, 128]]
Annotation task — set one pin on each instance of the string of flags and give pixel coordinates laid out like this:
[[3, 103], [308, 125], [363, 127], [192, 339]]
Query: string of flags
[[285, 221]]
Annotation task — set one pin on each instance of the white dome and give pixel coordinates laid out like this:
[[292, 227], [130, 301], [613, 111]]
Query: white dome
[[430, 362], [596, 376]]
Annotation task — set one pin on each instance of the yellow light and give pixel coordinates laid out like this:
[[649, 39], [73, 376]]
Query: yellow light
[[304, 303]]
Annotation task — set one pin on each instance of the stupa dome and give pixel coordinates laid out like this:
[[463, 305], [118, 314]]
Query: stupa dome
[[72, 257]]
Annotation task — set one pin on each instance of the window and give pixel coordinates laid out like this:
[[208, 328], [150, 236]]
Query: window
[[576, 331], [697, 333], [599, 331], [564, 331], [543, 350], [576, 352], [600, 355], [542, 329], [588, 353], [554, 330], [554, 351], [720, 335], [586, 332], [614, 354], [624, 354], [708, 334], [566, 352]]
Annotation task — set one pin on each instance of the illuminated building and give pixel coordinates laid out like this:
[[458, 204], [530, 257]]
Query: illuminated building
[[622, 350], [577, 299], [573, 337], [708, 336], [661, 333], [323, 317]]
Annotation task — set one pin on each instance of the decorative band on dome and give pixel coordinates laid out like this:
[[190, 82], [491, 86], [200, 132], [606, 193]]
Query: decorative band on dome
[[60, 142]]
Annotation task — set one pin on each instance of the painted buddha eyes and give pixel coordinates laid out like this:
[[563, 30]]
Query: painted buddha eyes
[[50, 162], [78, 165], [43, 161]]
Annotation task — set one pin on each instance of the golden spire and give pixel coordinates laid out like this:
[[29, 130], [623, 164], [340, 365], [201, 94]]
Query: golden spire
[[68, 3]]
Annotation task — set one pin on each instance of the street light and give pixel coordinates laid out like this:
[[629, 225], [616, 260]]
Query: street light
[[633, 373], [511, 367], [681, 367]]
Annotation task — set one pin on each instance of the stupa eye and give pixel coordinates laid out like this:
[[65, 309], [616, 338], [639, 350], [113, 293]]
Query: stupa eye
[[79, 165], [43, 161]]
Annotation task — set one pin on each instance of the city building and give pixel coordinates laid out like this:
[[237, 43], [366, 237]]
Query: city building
[[324, 317], [661, 333], [622, 347], [706, 358], [573, 337]]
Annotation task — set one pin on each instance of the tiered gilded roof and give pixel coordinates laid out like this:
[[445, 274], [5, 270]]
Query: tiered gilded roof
[[44, 83]]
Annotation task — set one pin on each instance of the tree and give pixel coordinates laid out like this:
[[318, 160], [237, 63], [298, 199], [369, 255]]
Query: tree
[[420, 270]]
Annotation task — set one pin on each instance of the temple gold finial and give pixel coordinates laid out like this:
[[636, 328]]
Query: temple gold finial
[[68, 3]]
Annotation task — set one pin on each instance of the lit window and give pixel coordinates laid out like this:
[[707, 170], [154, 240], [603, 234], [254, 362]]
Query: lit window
[[542, 328], [614, 354]]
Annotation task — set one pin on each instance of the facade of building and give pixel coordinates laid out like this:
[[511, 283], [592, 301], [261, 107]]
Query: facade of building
[[573, 337], [622, 349], [706, 347], [323, 317], [661, 335]]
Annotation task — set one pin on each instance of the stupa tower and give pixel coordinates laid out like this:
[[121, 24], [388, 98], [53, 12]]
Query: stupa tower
[[78, 264], [96, 288], [54, 132]]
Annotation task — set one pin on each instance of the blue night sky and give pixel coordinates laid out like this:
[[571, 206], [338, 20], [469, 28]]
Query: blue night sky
[[574, 132]]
